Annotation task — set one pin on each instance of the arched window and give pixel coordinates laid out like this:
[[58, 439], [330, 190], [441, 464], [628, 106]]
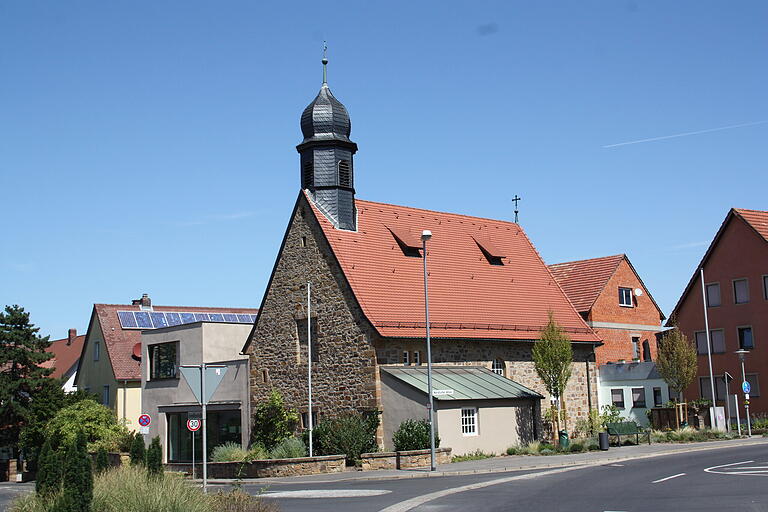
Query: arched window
[[498, 367]]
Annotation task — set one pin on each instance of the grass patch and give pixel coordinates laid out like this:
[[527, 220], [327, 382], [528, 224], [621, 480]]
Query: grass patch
[[689, 435], [476, 455], [128, 489]]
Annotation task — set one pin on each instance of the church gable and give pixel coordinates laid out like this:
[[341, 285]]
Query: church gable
[[343, 366]]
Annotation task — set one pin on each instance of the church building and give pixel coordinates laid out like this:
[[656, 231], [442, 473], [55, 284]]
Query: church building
[[490, 295]]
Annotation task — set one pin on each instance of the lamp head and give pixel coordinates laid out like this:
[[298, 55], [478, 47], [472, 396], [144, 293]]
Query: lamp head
[[426, 235], [741, 353]]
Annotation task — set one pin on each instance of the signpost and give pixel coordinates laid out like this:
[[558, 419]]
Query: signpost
[[196, 376], [193, 425]]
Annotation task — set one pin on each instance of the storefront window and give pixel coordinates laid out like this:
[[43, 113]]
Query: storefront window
[[223, 427]]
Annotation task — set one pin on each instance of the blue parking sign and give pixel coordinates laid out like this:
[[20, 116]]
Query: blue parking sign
[[745, 387]]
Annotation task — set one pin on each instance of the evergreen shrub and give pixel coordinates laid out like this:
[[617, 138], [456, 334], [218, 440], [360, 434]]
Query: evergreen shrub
[[413, 435]]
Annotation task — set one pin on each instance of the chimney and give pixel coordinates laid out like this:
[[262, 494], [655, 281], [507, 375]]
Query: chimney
[[71, 335], [144, 301]]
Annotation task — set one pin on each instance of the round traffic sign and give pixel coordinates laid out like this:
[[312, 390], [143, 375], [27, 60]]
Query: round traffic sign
[[745, 387], [193, 425], [145, 420]]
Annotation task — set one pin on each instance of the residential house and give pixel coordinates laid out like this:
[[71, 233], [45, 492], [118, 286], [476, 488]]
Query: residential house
[[612, 298], [489, 298], [736, 283], [169, 399], [110, 364], [66, 356]]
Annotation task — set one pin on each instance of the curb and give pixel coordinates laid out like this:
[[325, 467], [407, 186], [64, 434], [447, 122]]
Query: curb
[[692, 447]]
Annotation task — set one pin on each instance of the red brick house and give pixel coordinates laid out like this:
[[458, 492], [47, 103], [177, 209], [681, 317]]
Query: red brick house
[[612, 298], [736, 280]]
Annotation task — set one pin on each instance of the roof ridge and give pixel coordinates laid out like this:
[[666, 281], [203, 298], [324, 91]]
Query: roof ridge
[[750, 210], [223, 308], [437, 212], [621, 255]]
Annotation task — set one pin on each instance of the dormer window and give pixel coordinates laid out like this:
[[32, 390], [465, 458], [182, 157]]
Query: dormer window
[[492, 253], [407, 241]]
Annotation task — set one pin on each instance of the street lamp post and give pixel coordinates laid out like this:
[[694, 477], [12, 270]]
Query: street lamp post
[[743, 355], [426, 235]]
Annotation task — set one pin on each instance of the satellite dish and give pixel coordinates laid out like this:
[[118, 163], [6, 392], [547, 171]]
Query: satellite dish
[[638, 292], [137, 351]]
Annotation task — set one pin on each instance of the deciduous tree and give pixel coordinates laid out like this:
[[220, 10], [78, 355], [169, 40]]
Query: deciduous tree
[[552, 358]]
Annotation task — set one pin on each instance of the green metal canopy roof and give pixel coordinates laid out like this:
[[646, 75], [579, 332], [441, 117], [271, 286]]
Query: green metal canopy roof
[[465, 382]]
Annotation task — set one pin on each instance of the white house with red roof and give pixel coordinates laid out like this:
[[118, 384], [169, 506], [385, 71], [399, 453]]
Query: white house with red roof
[[66, 356], [490, 295], [110, 363]]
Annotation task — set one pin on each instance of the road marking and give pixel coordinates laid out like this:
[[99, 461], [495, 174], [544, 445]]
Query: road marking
[[737, 468], [617, 465], [667, 478], [319, 493], [412, 503]]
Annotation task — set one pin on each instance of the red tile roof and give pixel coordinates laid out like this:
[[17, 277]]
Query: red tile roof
[[65, 355], [468, 296], [120, 342], [583, 280], [756, 218]]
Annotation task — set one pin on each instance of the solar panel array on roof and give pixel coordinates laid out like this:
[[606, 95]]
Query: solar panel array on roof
[[159, 319]]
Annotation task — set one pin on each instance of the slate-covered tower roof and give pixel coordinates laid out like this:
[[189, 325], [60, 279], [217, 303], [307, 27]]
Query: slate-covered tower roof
[[327, 169]]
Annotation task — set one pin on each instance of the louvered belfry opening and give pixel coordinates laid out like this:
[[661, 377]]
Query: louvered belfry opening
[[327, 167]]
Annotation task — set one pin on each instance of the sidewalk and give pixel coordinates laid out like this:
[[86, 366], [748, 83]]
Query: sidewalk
[[507, 463]]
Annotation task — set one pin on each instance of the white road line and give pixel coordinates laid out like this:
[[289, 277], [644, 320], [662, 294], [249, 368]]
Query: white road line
[[667, 478], [709, 469], [412, 503], [322, 493]]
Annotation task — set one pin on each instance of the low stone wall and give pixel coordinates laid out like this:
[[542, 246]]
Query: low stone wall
[[265, 468], [404, 460], [379, 460]]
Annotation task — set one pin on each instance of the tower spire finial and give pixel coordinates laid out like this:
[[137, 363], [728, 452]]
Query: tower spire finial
[[325, 63]]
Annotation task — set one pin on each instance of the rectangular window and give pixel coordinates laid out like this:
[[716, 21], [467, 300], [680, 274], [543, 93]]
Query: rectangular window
[[635, 347], [765, 287], [105, 395], [96, 351], [417, 358], [713, 295], [469, 421], [223, 427], [647, 351], [706, 389], [625, 297], [658, 401], [638, 398], [716, 338], [163, 360], [746, 341], [406, 357], [617, 398], [301, 331], [754, 383], [740, 291]]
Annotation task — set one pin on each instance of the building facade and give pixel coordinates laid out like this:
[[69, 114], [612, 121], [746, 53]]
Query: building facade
[[736, 283]]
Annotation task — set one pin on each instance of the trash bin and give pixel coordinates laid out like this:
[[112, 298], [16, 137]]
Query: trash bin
[[603, 440], [564, 442]]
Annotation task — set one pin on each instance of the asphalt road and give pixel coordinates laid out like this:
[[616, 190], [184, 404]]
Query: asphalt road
[[721, 480]]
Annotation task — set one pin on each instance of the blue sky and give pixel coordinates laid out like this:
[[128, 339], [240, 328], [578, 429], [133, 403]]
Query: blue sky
[[148, 147]]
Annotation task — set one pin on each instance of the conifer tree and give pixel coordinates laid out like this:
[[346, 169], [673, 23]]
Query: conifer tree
[[50, 467], [155, 458], [138, 451], [102, 461], [78, 476], [21, 376]]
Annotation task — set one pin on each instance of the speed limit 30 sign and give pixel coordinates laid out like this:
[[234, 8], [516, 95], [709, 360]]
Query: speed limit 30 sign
[[193, 425]]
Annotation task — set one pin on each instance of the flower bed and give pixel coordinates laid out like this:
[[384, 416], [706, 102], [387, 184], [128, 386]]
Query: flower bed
[[265, 468]]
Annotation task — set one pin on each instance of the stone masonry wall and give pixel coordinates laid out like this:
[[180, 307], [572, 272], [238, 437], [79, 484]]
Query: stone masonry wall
[[344, 375]]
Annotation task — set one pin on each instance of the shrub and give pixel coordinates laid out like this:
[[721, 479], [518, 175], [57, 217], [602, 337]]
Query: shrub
[[513, 450], [290, 448], [257, 452], [102, 461], [239, 501], [155, 458], [351, 434], [576, 448], [610, 414], [546, 446], [273, 422], [229, 452], [546, 451], [95, 420], [532, 448], [593, 447], [413, 435], [138, 451]]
